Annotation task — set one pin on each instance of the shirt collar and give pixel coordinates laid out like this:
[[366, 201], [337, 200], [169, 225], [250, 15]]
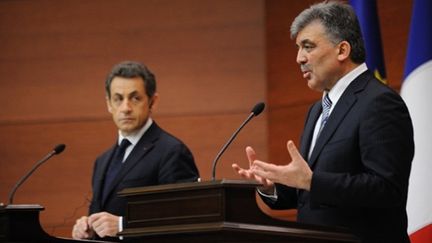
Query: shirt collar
[[336, 92], [136, 136]]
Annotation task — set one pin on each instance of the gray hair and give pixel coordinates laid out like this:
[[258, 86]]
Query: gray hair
[[340, 23]]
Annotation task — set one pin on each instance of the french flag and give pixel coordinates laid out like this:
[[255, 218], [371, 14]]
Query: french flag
[[417, 92]]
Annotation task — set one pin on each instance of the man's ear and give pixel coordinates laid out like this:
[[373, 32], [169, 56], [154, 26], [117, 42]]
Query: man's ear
[[108, 103], [344, 50], [153, 102]]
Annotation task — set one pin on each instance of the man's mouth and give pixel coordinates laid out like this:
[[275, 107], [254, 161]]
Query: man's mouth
[[126, 119], [306, 71], [306, 74]]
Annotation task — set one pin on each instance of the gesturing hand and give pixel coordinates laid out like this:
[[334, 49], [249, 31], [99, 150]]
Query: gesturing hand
[[248, 174], [295, 174]]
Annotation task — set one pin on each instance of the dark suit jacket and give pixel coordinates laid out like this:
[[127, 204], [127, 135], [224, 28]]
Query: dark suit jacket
[[158, 158], [361, 164]]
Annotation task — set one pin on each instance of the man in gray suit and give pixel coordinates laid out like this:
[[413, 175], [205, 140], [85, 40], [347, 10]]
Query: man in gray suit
[[356, 149], [143, 155]]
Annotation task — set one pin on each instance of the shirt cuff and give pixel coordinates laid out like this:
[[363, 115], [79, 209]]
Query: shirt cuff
[[273, 196], [120, 226]]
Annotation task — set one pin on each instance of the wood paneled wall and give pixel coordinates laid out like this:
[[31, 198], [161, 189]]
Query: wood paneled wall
[[213, 61], [209, 61]]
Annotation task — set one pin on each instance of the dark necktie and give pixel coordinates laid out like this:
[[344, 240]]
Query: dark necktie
[[326, 106], [115, 166]]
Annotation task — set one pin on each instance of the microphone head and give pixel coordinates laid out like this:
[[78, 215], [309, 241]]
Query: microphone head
[[59, 148], [258, 108]]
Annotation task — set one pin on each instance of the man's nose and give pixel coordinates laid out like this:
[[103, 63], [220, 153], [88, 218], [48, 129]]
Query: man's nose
[[126, 105], [301, 58]]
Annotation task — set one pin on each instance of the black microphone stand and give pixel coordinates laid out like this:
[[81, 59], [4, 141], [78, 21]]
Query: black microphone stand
[[58, 149]]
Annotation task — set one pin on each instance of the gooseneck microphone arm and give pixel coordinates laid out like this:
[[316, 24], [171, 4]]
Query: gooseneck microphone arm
[[258, 108], [57, 149]]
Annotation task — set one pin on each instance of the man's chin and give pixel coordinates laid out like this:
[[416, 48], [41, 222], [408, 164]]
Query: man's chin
[[127, 130], [314, 85]]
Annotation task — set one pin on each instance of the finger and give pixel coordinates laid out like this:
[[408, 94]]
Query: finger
[[101, 230], [81, 224], [79, 230], [261, 175], [98, 227], [244, 173], [267, 182], [265, 170], [263, 166], [81, 235], [293, 151], [251, 155], [267, 186], [264, 181], [92, 219], [236, 167], [82, 227], [76, 234], [106, 225]]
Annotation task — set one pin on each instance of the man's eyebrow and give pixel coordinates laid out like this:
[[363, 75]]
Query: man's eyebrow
[[303, 42], [133, 93], [117, 94], [306, 41]]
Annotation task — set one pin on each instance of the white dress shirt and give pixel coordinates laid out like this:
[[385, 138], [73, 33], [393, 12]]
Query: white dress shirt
[[334, 94], [133, 139]]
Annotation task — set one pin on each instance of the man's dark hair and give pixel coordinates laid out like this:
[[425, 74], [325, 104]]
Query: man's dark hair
[[340, 23], [131, 69]]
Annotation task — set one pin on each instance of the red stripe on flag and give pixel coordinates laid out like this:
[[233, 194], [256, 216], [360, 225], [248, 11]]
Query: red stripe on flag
[[423, 235]]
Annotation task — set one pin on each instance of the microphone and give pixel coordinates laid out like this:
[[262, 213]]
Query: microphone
[[258, 108], [56, 150]]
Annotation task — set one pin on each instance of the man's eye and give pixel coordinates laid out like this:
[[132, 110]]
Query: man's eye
[[117, 100], [308, 47], [136, 98]]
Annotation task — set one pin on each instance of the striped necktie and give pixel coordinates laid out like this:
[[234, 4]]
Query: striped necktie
[[326, 106]]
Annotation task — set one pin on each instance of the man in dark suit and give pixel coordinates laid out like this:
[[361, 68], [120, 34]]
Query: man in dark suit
[[143, 155], [356, 149]]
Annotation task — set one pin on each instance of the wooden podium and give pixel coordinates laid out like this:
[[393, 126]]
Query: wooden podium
[[20, 223], [212, 211]]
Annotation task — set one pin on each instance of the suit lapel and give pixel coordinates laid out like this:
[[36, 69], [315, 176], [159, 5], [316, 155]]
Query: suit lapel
[[343, 106], [100, 172], [144, 145], [306, 139]]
